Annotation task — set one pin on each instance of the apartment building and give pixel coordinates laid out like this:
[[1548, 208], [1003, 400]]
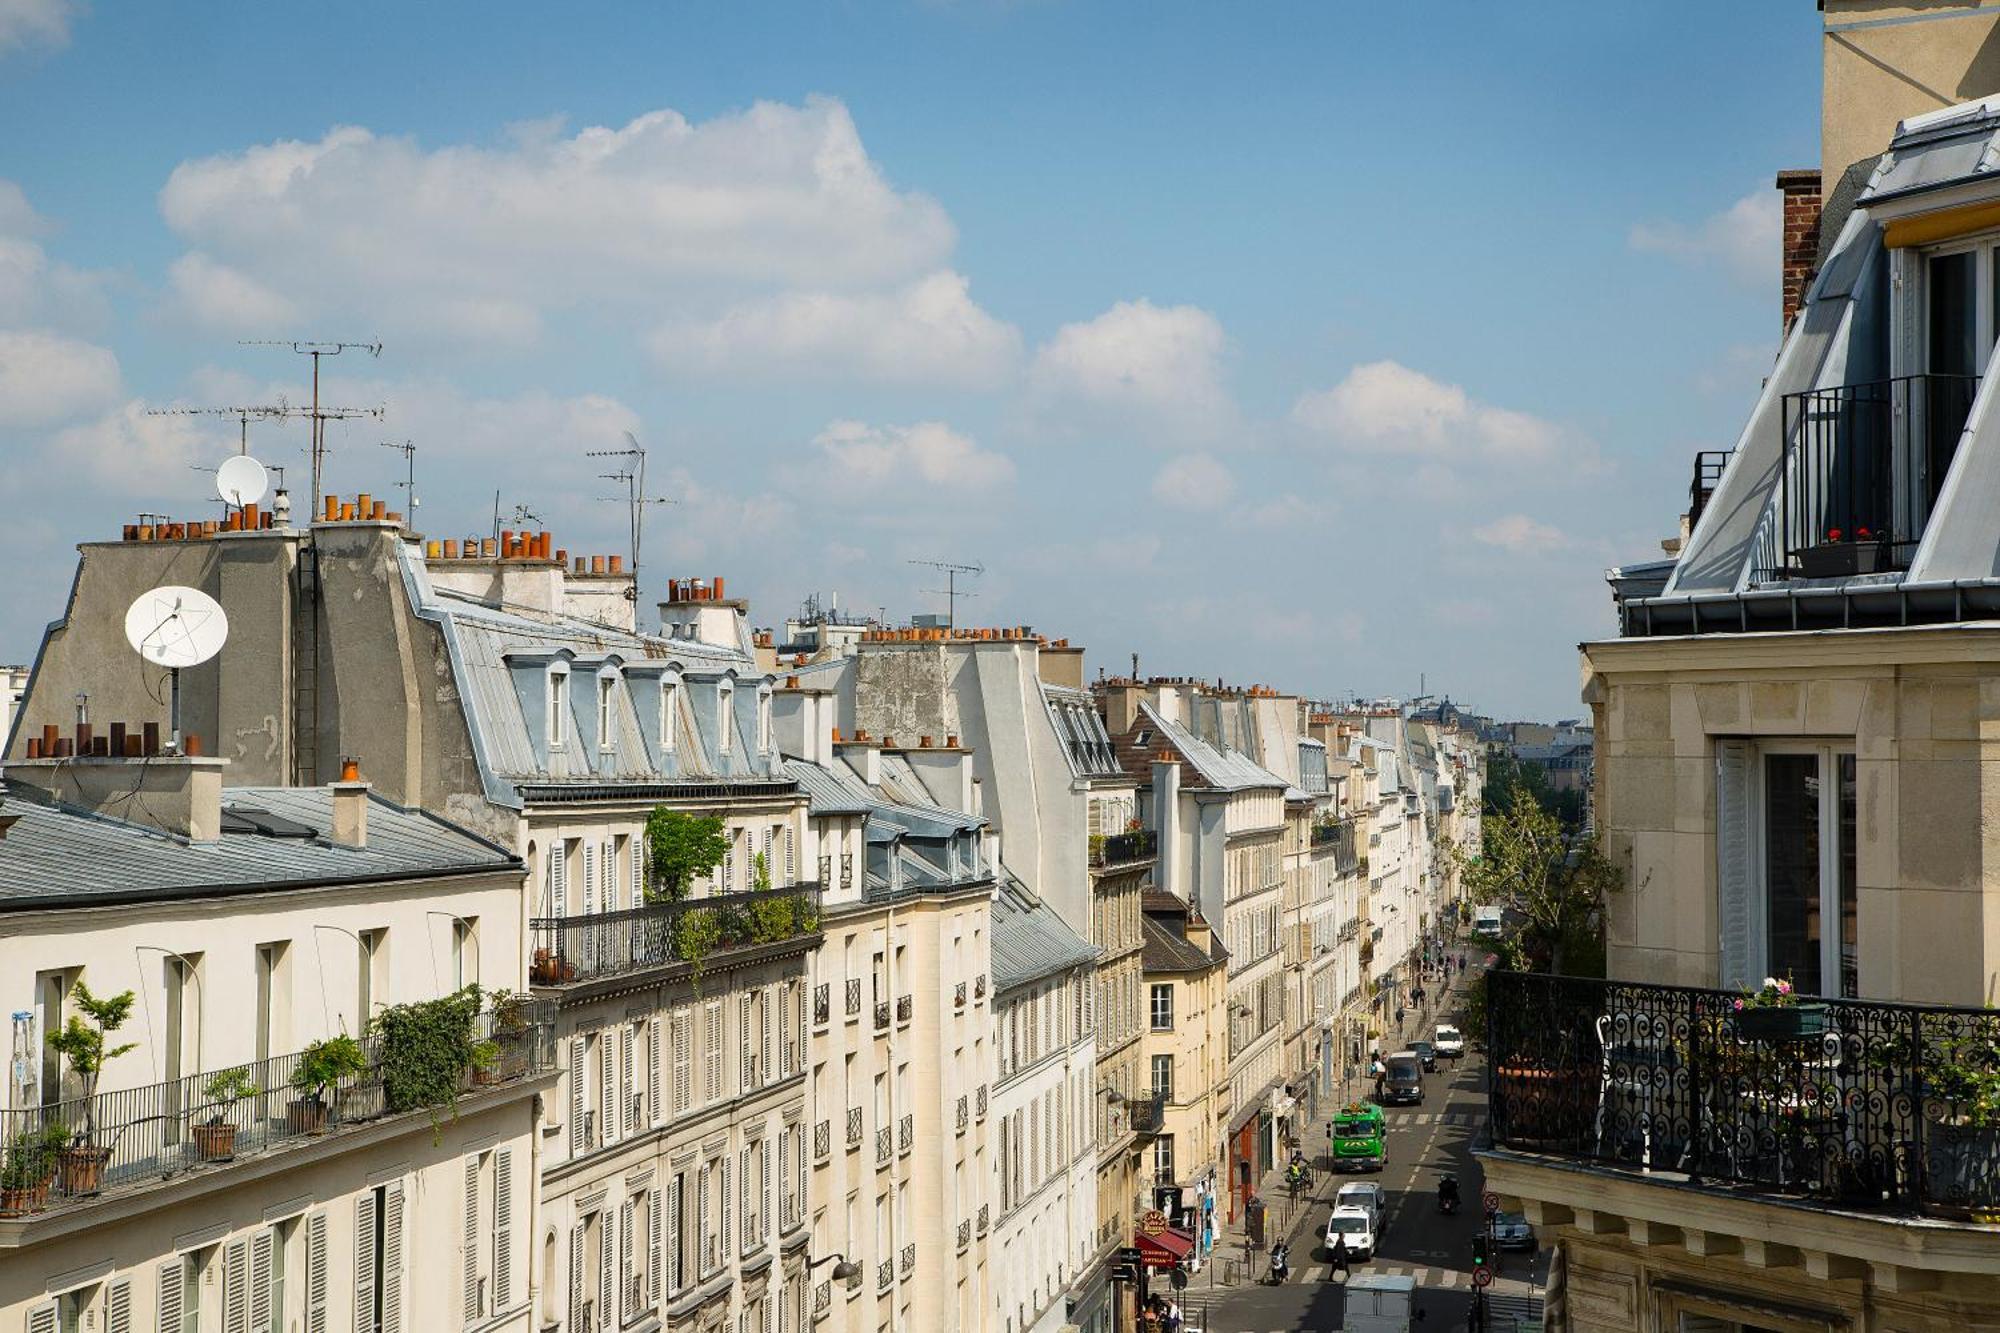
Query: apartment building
[[1795, 727], [223, 1172], [1187, 1054]]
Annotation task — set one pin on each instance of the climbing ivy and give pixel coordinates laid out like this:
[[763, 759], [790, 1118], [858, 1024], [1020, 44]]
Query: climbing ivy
[[425, 1049]]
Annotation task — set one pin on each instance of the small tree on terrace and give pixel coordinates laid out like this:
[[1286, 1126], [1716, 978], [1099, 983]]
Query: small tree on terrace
[[680, 848], [1555, 881]]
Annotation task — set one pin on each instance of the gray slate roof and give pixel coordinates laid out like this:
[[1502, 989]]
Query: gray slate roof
[[55, 855], [1221, 769], [1030, 939], [1165, 951]]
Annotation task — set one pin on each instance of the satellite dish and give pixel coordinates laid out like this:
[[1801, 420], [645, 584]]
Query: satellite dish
[[176, 627], [241, 480]]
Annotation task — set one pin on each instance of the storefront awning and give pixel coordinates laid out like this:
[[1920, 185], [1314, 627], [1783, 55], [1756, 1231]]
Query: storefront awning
[[1165, 1248]]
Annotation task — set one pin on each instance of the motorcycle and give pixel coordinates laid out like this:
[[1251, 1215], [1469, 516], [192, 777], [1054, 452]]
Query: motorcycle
[[1281, 1266], [1448, 1195]]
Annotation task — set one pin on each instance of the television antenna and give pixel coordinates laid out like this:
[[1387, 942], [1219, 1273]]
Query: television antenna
[[632, 476], [320, 416], [408, 449], [175, 627], [243, 415], [950, 590]]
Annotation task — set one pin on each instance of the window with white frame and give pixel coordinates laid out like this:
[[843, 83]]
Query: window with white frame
[[558, 720], [1163, 1006], [725, 716], [1786, 831], [670, 712], [764, 720], [606, 697]]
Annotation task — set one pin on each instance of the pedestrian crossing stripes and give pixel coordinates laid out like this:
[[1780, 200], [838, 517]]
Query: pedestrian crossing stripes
[[1444, 1279], [1465, 1117]]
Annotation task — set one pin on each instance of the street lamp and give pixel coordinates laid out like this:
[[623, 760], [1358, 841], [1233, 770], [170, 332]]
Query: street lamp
[[844, 1269]]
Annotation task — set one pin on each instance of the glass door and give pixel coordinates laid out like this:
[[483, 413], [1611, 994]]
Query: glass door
[[1808, 831]]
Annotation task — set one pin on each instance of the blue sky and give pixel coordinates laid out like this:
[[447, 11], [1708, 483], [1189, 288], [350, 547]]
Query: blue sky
[[1320, 345]]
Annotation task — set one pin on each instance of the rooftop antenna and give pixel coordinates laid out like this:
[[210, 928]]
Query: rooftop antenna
[[632, 475], [261, 411], [409, 482], [950, 589], [320, 416]]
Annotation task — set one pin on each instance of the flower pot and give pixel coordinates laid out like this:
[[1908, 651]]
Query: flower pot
[[215, 1141], [1546, 1107], [80, 1171], [1788, 1022], [16, 1202], [307, 1115], [1962, 1167], [548, 969], [1832, 560]]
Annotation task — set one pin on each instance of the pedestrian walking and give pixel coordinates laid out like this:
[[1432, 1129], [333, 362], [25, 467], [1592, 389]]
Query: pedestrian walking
[[1339, 1256]]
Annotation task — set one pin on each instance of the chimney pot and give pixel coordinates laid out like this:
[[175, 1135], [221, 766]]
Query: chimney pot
[[35, 746], [350, 811], [149, 738], [952, 740], [923, 742], [191, 744], [350, 769]]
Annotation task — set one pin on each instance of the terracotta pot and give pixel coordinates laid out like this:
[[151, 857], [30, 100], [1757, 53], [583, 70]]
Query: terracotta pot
[[215, 1142], [307, 1115], [14, 1203], [80, 1171]]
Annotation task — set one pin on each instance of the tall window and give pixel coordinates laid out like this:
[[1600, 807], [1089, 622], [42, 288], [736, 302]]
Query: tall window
[[372, 956], [1163, 1007], [670, 711], [1163, 1160], [558, 721], [1785, 836], [725, 716], [1163, 1077], [605, 697]]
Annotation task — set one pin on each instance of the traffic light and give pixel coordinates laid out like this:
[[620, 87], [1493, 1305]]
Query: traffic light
[[1478, 1252]]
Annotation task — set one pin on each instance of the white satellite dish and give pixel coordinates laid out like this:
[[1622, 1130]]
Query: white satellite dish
[[176, 627], [241, 480]]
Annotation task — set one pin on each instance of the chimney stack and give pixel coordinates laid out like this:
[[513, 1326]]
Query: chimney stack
[[350, 807], [1800, 255]]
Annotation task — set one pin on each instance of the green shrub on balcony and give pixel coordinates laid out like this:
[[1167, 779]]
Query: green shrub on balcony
[[426, 1049]]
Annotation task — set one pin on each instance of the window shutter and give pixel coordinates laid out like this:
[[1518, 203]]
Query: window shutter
[[559, 877], [628, 1086], [607, 1088], [392, 1260], [589, 877], [764, 1036], [1739, 901], [503, 1229], [653, 1248], [746, 1183], [701, 1221], [653, 1070], [316, 1278], [799, 1167], [604, 1240], [729, 865], [235, 1287], [637, 846], [468, 1248], [170, 1296], [743, 1030], [625, 1292], [791, 856], [608, 858], [364, 1262], [42, 1319], [764, 1187], [784, 1175], [579, 1073], [262, 1247], [722, 1241], [576, 1324], [118, 1306], [683, 1021]]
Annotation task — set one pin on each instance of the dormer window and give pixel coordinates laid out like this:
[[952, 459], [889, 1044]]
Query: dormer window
[[558, 720], [725, 704], [605, 714], [764, 720], [670, 712]]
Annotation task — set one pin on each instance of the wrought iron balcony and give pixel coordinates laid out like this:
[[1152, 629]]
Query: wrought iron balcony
[[1884, 1107], [1863, 467], [854, 997], [964, 1234], [909, 1259], [958, 996], [854, 1127], [984, 1213], [979, 1102], [1708, 466], [823, 1299], [884, 1148], [885, 1275], [568, 950], [822, 1003], [979, 987], [905, 1007], [882, 1016], [822, 1140], [964, 1113], [1119, 849], [906, 1133]]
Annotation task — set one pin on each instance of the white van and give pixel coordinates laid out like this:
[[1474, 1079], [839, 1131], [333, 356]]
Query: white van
[[1486, 922]]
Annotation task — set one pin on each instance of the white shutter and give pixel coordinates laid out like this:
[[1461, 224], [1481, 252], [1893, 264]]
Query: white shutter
[[637, 846], [316, 1276], [42, 1318], [765, 998], [653, 1248], [608, 858], [791, 856], [747, 1186], [559, 877], [262, 1247], [576, 1324], [392, 1260], [364, 1262], [628, 1086], [722, 1241], [701, 1221], [683, 1036], [653, 1070], [1739, 894], [236, 1287], [784, 1175], [729, 865], [764, 1217], [118, 1306], [469, 1245], [579, 1073], [170, 1295], [604, 1240], [744, 1028], [589, 877], [607, 1088], [625, 1292], [799, 1200], [503, 1229]]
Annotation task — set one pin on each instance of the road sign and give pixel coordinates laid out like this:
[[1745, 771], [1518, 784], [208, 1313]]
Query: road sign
[[1129, 1255], [1491, 1200], [1482, 1277], [1153, 1223], [1179, 1279]]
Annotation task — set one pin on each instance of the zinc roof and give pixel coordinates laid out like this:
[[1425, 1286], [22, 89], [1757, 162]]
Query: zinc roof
[[1030, 939], [1223, 770]]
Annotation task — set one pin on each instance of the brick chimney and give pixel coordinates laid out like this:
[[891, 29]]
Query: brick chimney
[[1800, 255]]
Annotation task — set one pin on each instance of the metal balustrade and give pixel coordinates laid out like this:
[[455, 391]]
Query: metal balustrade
[[567, 950], [854, 997], [822, 1004], [854, 1127], [822, 1140], [906, 1134]]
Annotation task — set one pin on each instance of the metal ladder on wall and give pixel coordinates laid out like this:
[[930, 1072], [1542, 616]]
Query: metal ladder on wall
[[305, 668]]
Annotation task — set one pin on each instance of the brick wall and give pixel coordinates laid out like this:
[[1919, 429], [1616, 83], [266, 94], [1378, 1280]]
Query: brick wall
[[1800, 253]]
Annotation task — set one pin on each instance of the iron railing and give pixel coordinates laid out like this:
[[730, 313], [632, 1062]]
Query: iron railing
[[823, 1298], [965, 1233], [909, 1258], [964, 1112], [854, 1127], [885, 1275], [906, 1134], [822, 1140], [881, 1015], [1871, 1105], [979, 987], [1708, 466], [572, 949], [984, 1213], [1119, 849], [81, 1147], [854, 997], [905, 1007], [979, 1102], [822, 1003], [1863, 467], [884, 1146], [958, 996]]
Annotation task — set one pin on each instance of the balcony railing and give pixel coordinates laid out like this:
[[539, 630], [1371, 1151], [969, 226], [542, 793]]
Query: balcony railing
[[905, 1007], [979, 1102], [823, 1299], [909, 1259], [1873, 1106], [884, 1147], [906, 1134], [979, 987], [1120, 849], [965, 1233], [854, 1127], [885, 1275], [573, 949], [1863, 467], [964, 1113], [1145, 1113], [854, 997], [822, 1003], [958, 996], [144, 1135], [882, 1016], [822, 1140], [984, 1213], [1708, 466]]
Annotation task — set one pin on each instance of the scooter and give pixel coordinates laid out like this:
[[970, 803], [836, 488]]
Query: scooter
[[1281, 1267], [1448, 1195]]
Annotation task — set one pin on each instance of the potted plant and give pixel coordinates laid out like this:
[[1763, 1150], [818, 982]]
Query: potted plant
[[215, 1137], [25, 1172], [1865, 550], [322, 1064], [512, 1033], [1962, 1107], [1772, 1012], [427, 1050], [82, 1042], [550, 969]]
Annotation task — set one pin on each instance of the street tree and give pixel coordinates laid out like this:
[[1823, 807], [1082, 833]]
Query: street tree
[[1556, 881]]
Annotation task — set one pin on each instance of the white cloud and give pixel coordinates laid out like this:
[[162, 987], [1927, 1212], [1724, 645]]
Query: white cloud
[[485, 241], [219, 296], [1520, 534], [1742, 240], [855, 459], [1193, 481], [929, 331], [1160, 364], [40, 22], [1385, 407], [35, 289], [46, 378], [128, 453]]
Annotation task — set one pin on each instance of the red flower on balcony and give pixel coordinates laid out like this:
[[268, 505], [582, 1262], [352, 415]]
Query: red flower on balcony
[[1834, 534]]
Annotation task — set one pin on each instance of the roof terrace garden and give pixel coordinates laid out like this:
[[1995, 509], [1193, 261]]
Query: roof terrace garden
[[1866, 1106], [692, 932]]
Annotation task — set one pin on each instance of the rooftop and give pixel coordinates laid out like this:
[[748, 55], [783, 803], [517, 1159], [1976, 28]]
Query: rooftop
[[1030, 939]]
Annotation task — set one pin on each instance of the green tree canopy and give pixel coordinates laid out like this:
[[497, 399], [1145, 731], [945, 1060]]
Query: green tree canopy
[[1555, 880], [680, 848]]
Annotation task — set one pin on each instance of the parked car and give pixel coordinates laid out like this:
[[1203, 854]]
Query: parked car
[[1427, 1053], [1450, 1041], [1366, 1195], [1356, 1227], [1512, 1232], [1402, 1080]]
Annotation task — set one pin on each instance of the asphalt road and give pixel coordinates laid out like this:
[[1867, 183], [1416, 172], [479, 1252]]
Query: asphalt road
[[1424, 1142]]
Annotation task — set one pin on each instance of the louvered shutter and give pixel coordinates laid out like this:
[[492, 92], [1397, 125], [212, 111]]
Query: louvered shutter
[[729, 865], [747, 1186], [701, 1221], [784, 1176], [683, 1034], [316, 1275], [42, 1319], [764, 1036], [392, 1260], [589, 877], [262, 1247], [764, 1215], [576, 1324], [579, 1074], [799, 1166], [625, 1291], [1739, 900], [653, 1107], [170, 1295], [604, 1242], [608, 858], [118, 1306], [607, 1088], [503, 1229], [236, 1287], [364, 1262], [744, 1029], [722, 1241], [791, 856], [653, 1256], [559, 877], [637, 846], [469, 1242], [628, 1086]]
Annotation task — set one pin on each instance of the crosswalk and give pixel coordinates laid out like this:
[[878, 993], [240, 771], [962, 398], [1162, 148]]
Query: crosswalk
[[1467, 1117], [1447, 1279]]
